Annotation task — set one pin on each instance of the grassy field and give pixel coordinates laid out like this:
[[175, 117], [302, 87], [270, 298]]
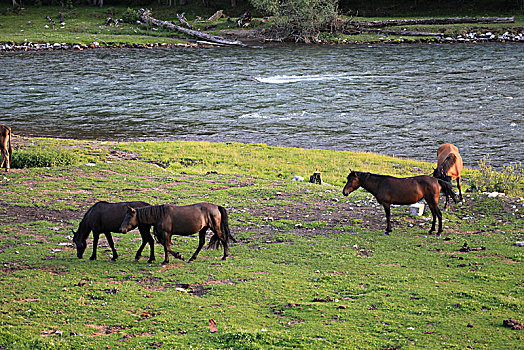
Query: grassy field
[[311, 269], [85, 25]]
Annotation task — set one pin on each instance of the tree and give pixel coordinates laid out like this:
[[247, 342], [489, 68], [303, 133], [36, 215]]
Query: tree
[[302, 20]]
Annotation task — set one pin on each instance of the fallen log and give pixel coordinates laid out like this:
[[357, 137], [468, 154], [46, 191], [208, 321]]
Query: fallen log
[[216, 16], [400, 32], [145, 17], [183, 20], [419, 21]]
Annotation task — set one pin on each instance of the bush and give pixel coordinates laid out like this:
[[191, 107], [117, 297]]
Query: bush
[[302, 20], [35, 157], [130, 16], [510, 180]]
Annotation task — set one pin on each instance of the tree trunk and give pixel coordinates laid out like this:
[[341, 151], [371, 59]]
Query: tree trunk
[[145, 17]]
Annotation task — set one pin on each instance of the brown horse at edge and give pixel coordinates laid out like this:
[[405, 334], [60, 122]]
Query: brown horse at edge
[[5, 147], [392, 190], [449, 166]]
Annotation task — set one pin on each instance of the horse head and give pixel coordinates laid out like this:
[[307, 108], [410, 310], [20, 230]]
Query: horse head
[[80, 243], [439, 173], [130, 220], [353, 182]]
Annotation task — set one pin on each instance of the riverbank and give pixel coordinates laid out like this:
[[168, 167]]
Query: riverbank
[[473, 38], [53, 28], [311, 268]]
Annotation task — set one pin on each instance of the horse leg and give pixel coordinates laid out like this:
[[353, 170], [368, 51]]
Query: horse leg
[[436, 213], [177, 255], [111, 245], [201, 241], [5, 160], [224, 243], [387, 209], [151, 246], [142, 246], [447, 200], [439, 216], [146, 238], [460, 189], [165, 242], [96, 236]]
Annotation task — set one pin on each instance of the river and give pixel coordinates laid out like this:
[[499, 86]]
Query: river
[[400, 100]]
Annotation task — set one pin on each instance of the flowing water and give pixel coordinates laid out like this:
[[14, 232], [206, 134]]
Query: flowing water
[[395, 100]]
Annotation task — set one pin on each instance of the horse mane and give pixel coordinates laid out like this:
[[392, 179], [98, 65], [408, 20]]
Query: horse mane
[[150, 213], [367, 175], [447, 163], [84, 227]]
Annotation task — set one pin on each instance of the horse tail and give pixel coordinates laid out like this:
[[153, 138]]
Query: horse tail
[[215, 242], [450, 160], [447, 188], [224, 224]]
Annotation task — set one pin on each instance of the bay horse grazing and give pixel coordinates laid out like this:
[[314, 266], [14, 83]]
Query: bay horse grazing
[[104, 217], [5, 147], [169, 219], [392, 190], [449, 166]]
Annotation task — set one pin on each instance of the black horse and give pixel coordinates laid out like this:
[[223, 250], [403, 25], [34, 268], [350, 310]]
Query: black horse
[[104, 217]]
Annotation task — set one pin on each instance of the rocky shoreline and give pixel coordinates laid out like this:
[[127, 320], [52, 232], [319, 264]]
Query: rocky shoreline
[[79, 47], [468, 38]]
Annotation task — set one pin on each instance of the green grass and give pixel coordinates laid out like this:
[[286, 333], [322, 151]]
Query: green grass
[[83, 25], [308, 271], [266, 161]]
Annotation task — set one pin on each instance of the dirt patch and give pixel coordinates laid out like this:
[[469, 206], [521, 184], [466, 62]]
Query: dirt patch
[[16, 215]]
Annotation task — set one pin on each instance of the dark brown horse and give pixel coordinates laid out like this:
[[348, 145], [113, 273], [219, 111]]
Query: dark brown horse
[[105, 217], [392, 190], [5, 147], [449, 166], [169, 219]]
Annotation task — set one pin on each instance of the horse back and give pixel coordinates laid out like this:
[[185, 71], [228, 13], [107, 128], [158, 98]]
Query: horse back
[[409, 190], [450, 153], [107, 217], [189, 219], [446, 149]]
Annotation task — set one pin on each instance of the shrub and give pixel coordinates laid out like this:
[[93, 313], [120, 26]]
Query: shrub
[[510, 180], [130, 16], [302, 20], [35, 157]]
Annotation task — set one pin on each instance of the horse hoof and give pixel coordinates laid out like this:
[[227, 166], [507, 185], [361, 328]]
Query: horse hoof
[[92, 259]]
